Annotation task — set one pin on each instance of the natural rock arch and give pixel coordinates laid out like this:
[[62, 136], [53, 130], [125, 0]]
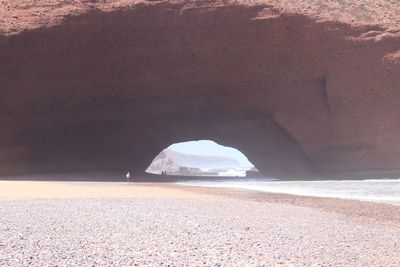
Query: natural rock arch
[[106, 91], [201, 157]]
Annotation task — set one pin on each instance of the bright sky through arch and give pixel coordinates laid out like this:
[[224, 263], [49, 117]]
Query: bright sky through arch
[[210, 148]]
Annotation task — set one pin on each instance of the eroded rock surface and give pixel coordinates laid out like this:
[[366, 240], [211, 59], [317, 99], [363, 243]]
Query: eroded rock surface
[[300, 87]]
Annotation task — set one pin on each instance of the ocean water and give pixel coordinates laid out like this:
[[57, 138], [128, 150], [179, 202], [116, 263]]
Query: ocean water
[[379, 190]]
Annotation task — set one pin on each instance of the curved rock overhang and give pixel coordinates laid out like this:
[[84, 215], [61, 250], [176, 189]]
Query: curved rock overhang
[[107, 91]]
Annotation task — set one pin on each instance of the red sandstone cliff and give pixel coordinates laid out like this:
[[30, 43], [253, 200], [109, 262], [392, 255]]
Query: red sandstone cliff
[[299, 86]]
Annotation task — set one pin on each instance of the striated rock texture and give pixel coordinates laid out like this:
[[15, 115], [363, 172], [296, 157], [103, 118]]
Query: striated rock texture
[[301, 87]]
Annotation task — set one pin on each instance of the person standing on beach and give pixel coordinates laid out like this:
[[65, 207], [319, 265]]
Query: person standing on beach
[[128, 176]]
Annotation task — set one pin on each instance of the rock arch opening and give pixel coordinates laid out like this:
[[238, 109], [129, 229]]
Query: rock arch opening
[[201, 158], [300, 96]]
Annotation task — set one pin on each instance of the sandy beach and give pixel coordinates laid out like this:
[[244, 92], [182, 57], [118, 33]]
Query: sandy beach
[[154, 224]]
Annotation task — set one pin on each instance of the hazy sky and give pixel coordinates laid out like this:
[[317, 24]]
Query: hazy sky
[[210, 148]]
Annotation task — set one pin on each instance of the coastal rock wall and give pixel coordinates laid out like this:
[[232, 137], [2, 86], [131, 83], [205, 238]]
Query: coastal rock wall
[[107, 85]]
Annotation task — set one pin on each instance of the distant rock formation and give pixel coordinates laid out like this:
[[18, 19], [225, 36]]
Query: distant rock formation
[[177, 163]]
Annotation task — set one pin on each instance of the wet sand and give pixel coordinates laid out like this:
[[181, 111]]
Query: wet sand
[[381, 213], [149, 224]]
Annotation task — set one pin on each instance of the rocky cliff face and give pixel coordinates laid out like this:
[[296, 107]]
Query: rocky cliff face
[[300, 87]]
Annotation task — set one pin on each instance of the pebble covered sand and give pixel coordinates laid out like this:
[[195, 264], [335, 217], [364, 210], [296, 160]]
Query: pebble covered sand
[[193, 231]]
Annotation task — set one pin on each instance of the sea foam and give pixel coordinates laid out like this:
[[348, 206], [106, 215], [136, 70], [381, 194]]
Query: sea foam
[[376, 190]]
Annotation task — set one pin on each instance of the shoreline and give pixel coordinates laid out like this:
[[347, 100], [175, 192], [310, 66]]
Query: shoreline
[[156, 178], [161, 224], [282, 192], [382, 213], [375, 212]]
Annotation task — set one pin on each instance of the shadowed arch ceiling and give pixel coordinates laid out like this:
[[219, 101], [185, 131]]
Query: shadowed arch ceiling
[[110, 85]]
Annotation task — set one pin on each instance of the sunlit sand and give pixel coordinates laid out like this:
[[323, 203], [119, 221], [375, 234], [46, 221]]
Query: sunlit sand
[[58, 190]]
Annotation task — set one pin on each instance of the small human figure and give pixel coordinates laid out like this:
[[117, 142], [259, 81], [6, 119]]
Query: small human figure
[[128, 176]]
